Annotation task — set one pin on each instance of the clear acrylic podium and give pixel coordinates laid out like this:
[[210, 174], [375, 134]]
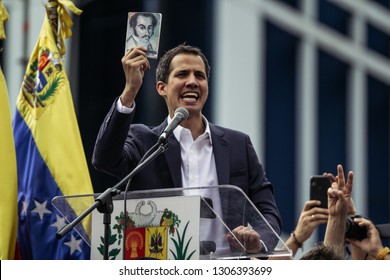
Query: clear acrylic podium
[[212, 212]]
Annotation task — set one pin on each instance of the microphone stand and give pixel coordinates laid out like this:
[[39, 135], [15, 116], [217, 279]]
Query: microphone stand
[[104, 202], [146, 155]]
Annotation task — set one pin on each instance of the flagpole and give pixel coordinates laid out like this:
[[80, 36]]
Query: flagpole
[[26, 33]]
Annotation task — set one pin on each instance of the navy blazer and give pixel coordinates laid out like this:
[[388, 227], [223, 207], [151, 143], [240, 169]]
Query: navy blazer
[[120, 146]]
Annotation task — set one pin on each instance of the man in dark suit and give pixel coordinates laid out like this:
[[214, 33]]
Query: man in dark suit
[[199, 153]]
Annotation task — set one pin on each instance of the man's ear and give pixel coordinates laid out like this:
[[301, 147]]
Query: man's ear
[[160, 87]]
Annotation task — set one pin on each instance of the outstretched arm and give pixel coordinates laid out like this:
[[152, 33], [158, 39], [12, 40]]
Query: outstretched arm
[[134, 64], [310, 217], [338, 210]]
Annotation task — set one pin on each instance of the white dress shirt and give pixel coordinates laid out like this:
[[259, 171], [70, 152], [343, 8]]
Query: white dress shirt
[[198, 169]]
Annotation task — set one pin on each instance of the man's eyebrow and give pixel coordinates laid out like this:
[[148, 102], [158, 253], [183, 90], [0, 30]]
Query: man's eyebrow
[[187, 70]]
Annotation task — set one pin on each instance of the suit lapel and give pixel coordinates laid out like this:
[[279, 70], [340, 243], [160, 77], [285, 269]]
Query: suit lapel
[[172, 156], [221, 148]]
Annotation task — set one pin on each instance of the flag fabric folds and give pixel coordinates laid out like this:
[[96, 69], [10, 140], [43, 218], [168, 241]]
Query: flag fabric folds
[[3, 18], [8, 176], [49, 151]]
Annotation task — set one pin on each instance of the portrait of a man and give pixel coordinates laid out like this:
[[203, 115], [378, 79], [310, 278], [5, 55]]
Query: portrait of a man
[[144, 30]]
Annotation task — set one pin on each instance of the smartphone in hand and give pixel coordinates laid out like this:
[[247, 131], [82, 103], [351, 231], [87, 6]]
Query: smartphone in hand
[[319, 186]]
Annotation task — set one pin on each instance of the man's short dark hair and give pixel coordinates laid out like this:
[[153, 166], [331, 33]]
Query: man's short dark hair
[[322, 252], [134, 19], [163, 67]]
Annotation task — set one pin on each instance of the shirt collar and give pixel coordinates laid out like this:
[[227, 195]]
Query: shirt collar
[[179, 129]]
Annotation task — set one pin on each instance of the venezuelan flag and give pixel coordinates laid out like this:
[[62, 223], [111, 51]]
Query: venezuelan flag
[[8, 176], [49, 151]]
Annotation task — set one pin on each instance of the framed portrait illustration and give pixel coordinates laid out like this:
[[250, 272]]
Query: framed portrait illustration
[[143, 29]]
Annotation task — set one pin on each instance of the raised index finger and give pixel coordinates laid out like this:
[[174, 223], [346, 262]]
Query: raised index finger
[[340, 176]]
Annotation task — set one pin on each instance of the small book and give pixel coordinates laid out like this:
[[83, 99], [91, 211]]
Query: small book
[[143, 29]]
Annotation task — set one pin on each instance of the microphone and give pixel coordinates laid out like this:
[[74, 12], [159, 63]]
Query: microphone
[[180, 115]]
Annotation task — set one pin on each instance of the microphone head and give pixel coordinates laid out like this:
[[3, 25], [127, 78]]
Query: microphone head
[[180, 115], [182, 112]]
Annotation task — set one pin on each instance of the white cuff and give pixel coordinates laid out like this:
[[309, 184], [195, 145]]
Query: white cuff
[[124, 109]]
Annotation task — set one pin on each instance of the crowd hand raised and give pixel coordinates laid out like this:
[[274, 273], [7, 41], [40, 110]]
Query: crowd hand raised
[[373, 243], [346, 187], [337, 201], [310, 217], [335, 229], [248, 237], [134, 64]]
